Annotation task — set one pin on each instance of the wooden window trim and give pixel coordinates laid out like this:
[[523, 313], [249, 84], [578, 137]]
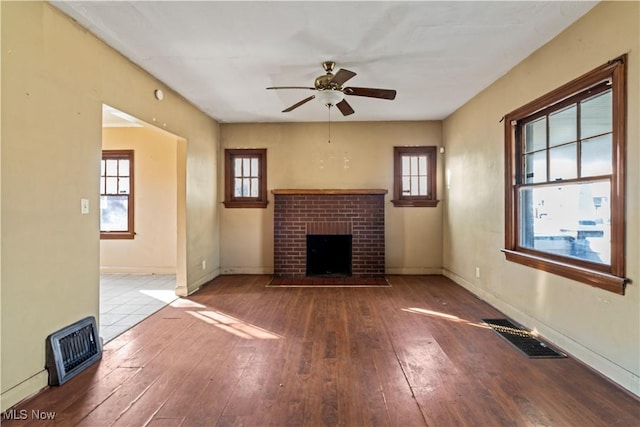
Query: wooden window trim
[[230, 201], [399, 200], [130, 233], [610, 278]]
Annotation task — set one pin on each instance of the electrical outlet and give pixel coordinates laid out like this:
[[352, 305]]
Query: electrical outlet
[[477, 272], [204, 264]]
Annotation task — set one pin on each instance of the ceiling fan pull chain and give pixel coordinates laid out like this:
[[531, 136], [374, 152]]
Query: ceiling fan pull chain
[[329, 108]]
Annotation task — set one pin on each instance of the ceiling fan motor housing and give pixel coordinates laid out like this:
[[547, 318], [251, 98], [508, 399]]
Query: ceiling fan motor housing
[[324, 82]]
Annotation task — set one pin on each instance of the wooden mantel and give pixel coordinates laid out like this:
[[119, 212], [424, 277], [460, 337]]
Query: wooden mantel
[[329, 191]]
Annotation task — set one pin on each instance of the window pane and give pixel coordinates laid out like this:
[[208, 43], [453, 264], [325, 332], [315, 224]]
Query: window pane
[[237, 167], [595, 156], [254, 167], [535, 135], [237, 191], [563, 162], [406, 186], [596, 115], [423, 186], [102, 185], [405, 165], [414, 185], [112, 167], [254, 187], [123, 186], [422, 165], [112, 185], [102, 167], [535, 167], [570, 220], [246, 167], [124, 168], [114, 213], [245, 188], [563, 126], [414, 165]]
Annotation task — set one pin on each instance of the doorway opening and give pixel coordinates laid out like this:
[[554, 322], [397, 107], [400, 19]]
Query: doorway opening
[[139, 274]]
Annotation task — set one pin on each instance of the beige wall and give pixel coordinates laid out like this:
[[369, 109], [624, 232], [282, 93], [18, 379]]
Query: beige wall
[[55, 78], [155, 160], [360, 155], [598, 327]]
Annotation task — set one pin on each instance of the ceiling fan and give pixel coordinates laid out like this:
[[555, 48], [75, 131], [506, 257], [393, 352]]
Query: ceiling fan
[[330, 90]]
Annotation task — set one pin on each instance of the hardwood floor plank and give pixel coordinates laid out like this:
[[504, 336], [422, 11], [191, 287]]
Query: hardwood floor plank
[[149, 404], [192, 388], [165, 422], [237, 353], [208, 409]]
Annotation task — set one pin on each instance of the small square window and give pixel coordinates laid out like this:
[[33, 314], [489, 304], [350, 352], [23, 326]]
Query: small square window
[[245, 178], [415, 176]]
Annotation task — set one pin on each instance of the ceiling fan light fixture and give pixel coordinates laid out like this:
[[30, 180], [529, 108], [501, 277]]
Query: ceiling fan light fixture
[[329, 97]]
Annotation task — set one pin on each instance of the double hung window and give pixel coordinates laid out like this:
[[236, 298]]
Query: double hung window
[[565, 180], [116, 195]]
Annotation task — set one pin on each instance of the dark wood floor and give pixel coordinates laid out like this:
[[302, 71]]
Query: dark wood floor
[[415, 354]]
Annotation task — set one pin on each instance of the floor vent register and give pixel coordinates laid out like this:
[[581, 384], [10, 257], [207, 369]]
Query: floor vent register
[[72, 349]]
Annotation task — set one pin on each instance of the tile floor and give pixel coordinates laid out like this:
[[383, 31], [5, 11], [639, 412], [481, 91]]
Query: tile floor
[[127, 299]]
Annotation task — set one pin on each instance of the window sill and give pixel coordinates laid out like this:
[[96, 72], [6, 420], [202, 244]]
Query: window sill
[[243, 204], [116, 235], [591, 277], [415, 203]]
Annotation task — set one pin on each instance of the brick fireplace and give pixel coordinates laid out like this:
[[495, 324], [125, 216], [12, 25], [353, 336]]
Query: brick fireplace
[[299, 213]]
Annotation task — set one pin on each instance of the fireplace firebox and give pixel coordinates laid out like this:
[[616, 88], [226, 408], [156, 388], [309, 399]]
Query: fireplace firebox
[[329, 255]]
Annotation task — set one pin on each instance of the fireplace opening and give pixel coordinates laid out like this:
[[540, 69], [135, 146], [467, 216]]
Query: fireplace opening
[[329, 255]]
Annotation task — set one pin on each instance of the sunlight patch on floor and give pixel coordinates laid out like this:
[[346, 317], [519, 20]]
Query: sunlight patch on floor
[[233, 326], [165, 296], [444, 316]]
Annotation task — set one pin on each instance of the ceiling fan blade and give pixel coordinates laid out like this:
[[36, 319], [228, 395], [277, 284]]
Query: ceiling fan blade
[[370, 92], [294, 106], [345, 108], [342, 76], [291, 87]]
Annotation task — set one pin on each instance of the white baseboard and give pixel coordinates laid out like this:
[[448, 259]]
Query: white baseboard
[[413, 270], [184, 289], [137, 270], [24, 390], [616, 373]]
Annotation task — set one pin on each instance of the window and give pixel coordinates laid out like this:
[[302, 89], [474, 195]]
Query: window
[[116, 194], [414, 182], [564, 194], [245, 178]]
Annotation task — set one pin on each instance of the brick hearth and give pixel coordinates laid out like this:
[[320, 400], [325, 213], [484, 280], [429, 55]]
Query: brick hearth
[[301, 212]]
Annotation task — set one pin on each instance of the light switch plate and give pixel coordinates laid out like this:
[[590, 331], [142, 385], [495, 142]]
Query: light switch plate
[[84, 206]]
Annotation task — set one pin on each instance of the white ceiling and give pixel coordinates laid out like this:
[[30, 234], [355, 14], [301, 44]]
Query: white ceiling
[[222, 55]]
